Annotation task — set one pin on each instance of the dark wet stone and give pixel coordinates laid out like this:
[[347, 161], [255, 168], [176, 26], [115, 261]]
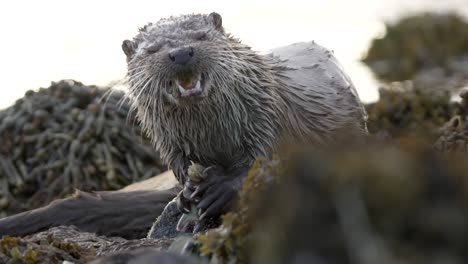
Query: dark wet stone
[[165, 225]]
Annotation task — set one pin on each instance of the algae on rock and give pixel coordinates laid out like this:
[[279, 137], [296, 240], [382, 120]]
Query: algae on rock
[[420, 42]]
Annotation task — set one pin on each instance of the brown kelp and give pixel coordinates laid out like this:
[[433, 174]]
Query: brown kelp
[[69, 136]]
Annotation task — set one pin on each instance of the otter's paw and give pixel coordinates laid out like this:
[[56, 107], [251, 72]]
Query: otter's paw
[[183, 204], [215, 194], [179, 167], [217, 200]]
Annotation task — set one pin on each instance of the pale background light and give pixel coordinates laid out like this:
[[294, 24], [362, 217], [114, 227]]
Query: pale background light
[[47, 40]]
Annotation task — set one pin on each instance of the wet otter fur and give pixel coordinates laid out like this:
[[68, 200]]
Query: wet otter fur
[[205, 97]]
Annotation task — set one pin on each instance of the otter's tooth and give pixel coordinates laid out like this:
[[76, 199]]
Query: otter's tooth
[[181, 89], [198, 86]]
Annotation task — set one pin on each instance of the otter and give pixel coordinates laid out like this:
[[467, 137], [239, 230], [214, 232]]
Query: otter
[[205, 97], [202, 96]]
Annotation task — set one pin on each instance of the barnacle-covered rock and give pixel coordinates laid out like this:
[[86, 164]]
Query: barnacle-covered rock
[[453, 135], [45, 250], [67, 243], [404, 110]]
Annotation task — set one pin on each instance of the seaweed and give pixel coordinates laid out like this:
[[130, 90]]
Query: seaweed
[[419, 42]]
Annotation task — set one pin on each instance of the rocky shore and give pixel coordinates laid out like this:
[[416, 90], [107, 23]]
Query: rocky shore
[[400, 198]]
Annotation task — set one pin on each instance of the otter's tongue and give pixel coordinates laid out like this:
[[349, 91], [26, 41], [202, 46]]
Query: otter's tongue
[[188, 84]]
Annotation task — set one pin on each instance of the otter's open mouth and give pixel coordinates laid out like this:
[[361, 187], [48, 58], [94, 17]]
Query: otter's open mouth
[[190, 87]]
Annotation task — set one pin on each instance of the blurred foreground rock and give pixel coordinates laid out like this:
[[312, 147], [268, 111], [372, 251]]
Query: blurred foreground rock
[[384, 203]]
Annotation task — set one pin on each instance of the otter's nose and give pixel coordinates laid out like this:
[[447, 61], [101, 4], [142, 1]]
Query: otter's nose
[[181, 55]]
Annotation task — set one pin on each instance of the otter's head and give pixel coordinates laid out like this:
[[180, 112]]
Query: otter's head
[[182, 60]]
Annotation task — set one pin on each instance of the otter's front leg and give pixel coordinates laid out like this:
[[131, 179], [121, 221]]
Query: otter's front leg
[[217, 192], [179, 166]]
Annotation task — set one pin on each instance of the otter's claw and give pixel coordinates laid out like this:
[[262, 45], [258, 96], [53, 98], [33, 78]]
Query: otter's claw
[[219, 201], [188, 219], [183, 204], [180, 168]]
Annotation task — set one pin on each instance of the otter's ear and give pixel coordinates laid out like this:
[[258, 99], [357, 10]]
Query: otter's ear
[[217, 20], [128, 48]]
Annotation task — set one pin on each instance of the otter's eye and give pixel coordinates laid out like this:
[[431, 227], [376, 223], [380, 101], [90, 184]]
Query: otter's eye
[[153, 48], [201, 36]]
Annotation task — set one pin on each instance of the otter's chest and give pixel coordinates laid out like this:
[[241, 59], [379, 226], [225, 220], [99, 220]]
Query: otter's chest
[[207, 137]]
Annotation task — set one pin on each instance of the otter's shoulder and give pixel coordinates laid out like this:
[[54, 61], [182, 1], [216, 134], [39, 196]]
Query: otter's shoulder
[[315, 70]]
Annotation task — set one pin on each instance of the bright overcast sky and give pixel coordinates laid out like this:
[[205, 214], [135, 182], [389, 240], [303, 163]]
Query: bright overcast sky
[[47, 40]]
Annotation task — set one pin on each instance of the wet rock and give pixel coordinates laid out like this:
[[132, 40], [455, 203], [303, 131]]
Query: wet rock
[[403, 110], [454, 135], [67, 243], [165, 225]]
